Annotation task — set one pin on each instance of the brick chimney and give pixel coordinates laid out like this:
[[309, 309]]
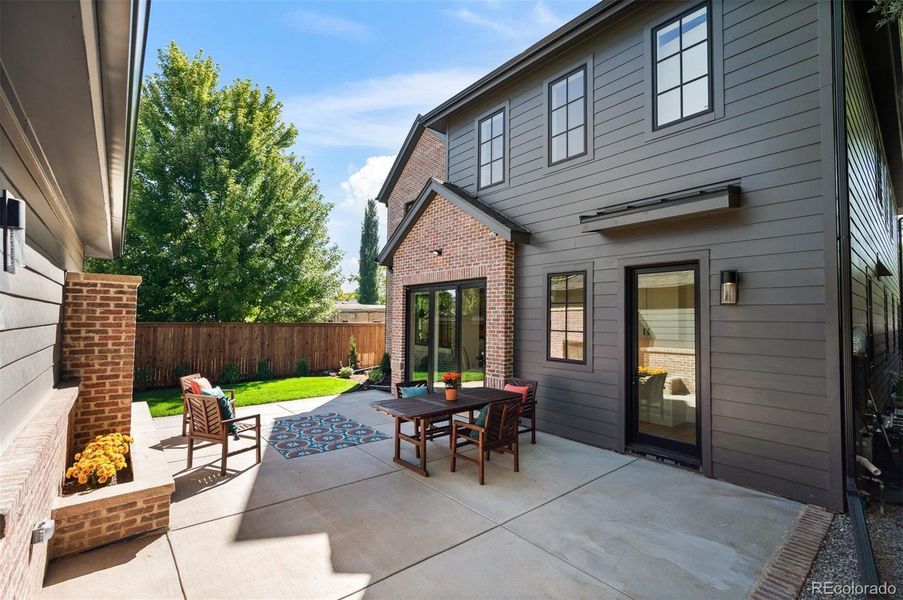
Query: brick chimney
[[99, 351]]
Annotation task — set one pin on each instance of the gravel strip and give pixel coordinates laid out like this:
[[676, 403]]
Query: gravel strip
[[886, 533], [836, 561]]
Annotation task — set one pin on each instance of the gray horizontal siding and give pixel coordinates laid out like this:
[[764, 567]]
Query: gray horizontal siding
[[872, 235], [770, 426], [31, 299]]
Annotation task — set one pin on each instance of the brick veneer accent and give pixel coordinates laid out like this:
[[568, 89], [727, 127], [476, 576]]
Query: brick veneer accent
[[470, 250], [427, 160], [99, 350], [31, 473]]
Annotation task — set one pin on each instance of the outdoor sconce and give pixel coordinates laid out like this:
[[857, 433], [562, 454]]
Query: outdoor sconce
[[436, 252], [728, 287], [12, 220]]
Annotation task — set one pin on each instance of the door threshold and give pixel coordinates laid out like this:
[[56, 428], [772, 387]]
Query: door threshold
[[665, 456]]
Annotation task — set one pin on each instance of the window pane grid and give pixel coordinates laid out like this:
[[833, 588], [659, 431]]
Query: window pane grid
[[567, 316], [567, 116], [492, 149], [676, 42]]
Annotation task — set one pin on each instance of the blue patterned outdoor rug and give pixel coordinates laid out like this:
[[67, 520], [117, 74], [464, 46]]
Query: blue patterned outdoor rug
[[301, 435]]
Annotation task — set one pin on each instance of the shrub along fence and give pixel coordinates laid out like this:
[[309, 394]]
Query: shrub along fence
[[166, 351]]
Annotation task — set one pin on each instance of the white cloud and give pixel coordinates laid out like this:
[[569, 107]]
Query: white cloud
[[532, 24], [309, 21], [364, 183], [375, 113]]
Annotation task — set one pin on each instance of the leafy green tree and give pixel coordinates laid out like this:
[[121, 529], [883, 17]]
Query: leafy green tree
[[367, 290], [224, 223], [888, 11]]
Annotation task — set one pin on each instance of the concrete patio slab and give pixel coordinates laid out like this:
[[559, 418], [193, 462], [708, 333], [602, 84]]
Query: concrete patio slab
[[202, 494], [325, 545], [142, 568], [496, 564], [654, 531], [548, 469]]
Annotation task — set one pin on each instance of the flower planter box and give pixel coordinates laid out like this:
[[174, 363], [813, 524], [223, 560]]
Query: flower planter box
[[86, 520]]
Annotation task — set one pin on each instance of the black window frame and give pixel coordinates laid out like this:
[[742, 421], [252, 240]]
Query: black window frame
[[887, 346], [656, 126], [567, 304], [480, 143], [567, 130]]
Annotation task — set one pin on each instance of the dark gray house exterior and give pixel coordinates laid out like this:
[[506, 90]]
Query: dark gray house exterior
[[652, 151]]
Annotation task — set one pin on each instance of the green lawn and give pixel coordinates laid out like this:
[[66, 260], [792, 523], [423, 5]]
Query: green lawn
[[168, 401]]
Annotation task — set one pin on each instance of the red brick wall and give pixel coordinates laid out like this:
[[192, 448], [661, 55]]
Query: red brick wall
[[31, 473], [426, 160], [99, 351], [469, 251]]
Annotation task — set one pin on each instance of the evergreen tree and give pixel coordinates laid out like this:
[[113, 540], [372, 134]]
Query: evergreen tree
[[367, 290], [224, 222]]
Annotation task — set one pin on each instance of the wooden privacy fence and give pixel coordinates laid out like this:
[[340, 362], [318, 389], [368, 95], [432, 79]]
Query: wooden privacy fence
[[164, 351]]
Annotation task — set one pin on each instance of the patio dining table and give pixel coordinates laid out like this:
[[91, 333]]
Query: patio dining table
[[423, 409]]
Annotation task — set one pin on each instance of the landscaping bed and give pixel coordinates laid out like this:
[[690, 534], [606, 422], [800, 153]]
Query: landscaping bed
[[168, 401]]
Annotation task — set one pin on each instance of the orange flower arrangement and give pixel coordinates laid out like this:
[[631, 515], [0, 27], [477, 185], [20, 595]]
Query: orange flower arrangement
[[643, 370], [97, 464], [452, 379]]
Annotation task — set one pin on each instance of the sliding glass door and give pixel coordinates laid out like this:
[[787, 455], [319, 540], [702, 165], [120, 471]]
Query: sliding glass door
[[446, 331]]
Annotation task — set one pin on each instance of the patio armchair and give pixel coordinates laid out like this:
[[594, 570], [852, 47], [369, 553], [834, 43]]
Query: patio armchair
[[499, 433], [186, 389], [435, 427], [528, 407], [207, 425]]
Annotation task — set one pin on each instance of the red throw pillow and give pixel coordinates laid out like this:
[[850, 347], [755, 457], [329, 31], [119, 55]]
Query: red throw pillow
[[523, 391], [200, 384]]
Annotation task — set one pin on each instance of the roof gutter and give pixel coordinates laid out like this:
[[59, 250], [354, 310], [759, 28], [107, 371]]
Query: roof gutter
[[138, 46]]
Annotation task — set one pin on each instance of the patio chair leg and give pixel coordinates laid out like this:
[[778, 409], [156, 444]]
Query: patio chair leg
[[190, 451], [533, 426], [222, 469], [489, 456], [516, 458], [480, 465], [454, 447], [258, 445]]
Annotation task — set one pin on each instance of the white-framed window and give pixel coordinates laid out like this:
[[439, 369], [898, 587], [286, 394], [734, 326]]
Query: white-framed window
[[492, 149], [682, 67], [567, 116]]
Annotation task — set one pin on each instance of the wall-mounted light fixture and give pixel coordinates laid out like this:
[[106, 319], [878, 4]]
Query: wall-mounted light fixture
[[729, 287], [12, 221], [436, 252]]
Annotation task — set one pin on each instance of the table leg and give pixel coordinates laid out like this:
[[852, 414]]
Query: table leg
[[423, 447], [397, 438]]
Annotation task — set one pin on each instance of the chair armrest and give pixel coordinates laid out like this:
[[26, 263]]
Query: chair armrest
[[229, 392], [236, 419], [466, 425]]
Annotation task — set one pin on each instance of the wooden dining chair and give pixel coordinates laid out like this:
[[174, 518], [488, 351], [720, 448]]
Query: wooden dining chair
[[207, 425], [434, 427], [499, 433], [185, 382], [528, 410]]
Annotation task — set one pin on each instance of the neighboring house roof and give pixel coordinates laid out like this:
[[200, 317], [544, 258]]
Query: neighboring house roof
[[72, 74], [355, 307], [488, 216]]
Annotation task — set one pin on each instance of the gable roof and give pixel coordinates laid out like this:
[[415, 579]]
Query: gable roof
[[488, 216], [553, 43], [401, 159]]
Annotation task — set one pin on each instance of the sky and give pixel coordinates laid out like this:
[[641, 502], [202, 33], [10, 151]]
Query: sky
[[353, 75]]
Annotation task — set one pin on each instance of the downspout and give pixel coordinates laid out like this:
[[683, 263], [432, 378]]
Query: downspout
[[844, 262]]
